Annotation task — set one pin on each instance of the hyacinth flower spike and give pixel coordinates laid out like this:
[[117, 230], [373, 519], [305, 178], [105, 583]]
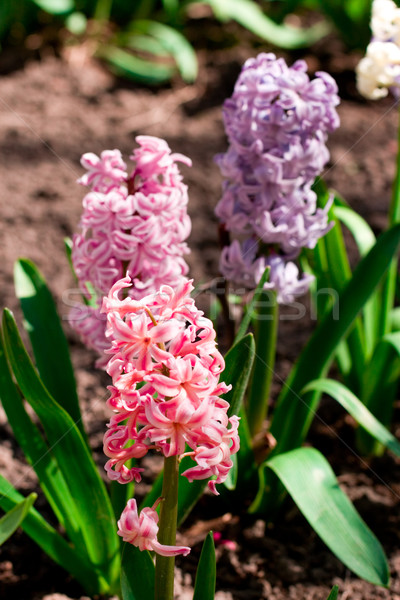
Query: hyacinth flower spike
[[135, 223], [165, 368]]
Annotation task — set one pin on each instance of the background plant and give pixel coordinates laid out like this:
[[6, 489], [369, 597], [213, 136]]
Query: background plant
[[150, 41], [369, 357]]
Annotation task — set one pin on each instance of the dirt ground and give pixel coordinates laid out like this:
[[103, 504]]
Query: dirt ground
[[54, 109]]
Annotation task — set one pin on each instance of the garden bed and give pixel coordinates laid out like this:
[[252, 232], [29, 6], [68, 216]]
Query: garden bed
[[54, 109]]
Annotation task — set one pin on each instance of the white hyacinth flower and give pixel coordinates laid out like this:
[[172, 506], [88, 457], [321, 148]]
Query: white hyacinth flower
[[379, 70], [385, 21]]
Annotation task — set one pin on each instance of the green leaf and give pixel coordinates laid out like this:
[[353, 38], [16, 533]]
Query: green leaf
[[358, 227], [355, 31], [204, 587], [336, 274], [137, 574], [248, 14], [231, 480], [174, 43], [365, 240], [52, 543], [13, 519], [8, 15], [96, 518], [244, 325], [380, 385], [142, 44], [38, 454], [125, 64], [310, 481], [55, 7], [395, 319], [48, 341], [102, 10], [238, 364], [334, 593], [171, 8], [266, 330], [357, 410]]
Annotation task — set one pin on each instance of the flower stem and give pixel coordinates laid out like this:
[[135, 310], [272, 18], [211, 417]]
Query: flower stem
[[164, 577], [266, 329]]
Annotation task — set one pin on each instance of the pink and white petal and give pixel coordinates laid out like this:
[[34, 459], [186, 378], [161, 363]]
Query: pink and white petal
[[164, 550]]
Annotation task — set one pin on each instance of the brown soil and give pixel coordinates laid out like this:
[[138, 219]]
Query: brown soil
[[54, 109]]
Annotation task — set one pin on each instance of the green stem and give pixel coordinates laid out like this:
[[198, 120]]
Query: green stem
[[164, 577], [389, 282], [102, 10], [266, 328]]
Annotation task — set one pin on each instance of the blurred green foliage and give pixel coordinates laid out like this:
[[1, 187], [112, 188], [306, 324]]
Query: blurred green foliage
[[149, 40], [349, 17]]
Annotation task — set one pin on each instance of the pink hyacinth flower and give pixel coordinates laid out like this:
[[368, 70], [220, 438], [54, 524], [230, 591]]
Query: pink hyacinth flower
[[141, 530], [164, 343], [134, 224]]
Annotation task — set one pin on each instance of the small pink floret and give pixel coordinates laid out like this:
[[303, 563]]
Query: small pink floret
[[141, 531]]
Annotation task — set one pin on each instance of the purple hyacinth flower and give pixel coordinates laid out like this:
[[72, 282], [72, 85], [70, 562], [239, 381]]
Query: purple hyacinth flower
[[277, 122]]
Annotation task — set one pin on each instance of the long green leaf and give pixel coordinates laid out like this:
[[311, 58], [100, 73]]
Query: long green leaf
[[238, 363], [334, 593], [52, 543], [14, 517], [231, 480], [174, 43], [337, 275], [55, 7], [142, 44], [395, 319], [248, 14], [357, 410], [249, 314], [358, 227], [380, 385], [365, 239], [72, 454], [266, 330], [39, 455], [125, 64], [137, 574], [48, 341], [204, 587], [310, 481]]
